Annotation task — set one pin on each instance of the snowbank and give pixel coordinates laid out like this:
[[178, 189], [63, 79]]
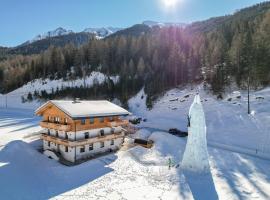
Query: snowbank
[[142, 134]]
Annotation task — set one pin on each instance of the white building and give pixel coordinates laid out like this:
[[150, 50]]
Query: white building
[[81, 129]]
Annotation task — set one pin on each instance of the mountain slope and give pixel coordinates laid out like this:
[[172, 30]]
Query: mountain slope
[[163, 24], [38, 46], [136, 30], [102, 32], [57, 32], [221, 51]]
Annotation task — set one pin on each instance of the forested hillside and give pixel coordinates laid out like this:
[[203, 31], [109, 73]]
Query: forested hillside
[[219, 51], [39, 46]]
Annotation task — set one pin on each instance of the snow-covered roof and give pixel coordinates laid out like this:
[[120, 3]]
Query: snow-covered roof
[[79, 109]]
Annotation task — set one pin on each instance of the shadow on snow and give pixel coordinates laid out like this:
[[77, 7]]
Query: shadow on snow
[[27, 174]]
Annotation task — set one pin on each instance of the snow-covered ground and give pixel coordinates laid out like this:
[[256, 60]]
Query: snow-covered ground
[[235, 143], [137, 173], [17, 124], [228, 124], [13, 99]]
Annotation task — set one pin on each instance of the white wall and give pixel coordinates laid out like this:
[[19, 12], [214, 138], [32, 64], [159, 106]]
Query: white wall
[[97, 149], [70, 155], [52, 146]]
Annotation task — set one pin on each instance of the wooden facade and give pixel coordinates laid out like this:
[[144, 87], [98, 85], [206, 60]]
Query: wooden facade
[[54, 118]]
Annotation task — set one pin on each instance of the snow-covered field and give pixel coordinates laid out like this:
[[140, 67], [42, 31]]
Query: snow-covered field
[[236, 141], [228, 124], [13, 99], [136, 173]]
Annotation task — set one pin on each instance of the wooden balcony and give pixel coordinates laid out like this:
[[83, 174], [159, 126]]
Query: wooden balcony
[[118, 123], [55, 126], [83, 141]]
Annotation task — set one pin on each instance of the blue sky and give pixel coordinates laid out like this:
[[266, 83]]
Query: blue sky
[[23, 19]]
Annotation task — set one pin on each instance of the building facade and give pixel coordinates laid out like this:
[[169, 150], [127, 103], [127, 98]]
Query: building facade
[[81, 129]]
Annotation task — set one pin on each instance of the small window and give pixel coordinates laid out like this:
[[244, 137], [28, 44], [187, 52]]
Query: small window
[[66, 148], [112, 142], [82, 150], [91, 147], [112, 130], [49, 143], [111, 119], [101, 119], [48, 132], [101, 132], [56, 119], [92, 120], [65, 120], [56, 133], [83, 121], [66, 135], [101, 144], [86, 135]]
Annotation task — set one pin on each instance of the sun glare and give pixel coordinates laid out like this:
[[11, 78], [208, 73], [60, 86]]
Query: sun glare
[[170, 3]]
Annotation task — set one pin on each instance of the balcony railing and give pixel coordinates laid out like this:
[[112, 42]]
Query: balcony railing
[[118, 123], [82, 141], [51, 125]]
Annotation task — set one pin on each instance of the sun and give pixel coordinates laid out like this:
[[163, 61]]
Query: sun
[[170, 3]]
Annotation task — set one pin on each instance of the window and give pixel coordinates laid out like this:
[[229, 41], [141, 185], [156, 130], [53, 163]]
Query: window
[[65, 120], [66, 135], [56, 119], [56, 133], [112, 130], [86, 135], [83, 121], [66, 149], [101, 132], [92, 120], [101, 144], [49, 132], [49, 143], [112, 142], [82, 150], [111, 119], [91, 147], [101, 119]]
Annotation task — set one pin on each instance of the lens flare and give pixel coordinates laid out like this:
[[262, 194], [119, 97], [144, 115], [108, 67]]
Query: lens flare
[[170, 3]]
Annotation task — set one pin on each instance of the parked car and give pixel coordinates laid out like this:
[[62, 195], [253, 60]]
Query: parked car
[[144, 143], [177, 132], [135, 121]]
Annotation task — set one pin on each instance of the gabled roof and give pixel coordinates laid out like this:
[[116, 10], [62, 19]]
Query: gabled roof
[[81, 109]]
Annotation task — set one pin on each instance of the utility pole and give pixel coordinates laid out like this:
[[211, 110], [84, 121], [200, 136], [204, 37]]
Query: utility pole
[[6, 101], [248, 90]]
